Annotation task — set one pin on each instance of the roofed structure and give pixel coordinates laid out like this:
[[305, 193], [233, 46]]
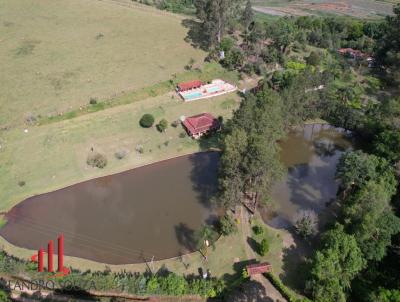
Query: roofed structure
[[258, 268], [200, 124], [184, 86]]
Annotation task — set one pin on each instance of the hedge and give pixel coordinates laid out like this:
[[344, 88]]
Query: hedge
[[287, 293]]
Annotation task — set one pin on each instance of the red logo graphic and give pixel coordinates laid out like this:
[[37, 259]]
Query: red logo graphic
[[61, 271]]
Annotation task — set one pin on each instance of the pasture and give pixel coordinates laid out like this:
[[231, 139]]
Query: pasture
[[55, 55], [54, 155], [353, 8]]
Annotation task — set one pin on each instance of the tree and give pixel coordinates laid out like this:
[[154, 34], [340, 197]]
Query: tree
[[162, 125], [369, 216], [263, 247], [227, 225], [335, 266], [313, 59], [388, 51], [387, 145], [250, 159], [306, 223], [146, 121], [248, 15], [4, 297], [234, 59], [215, 16], [356, 168]]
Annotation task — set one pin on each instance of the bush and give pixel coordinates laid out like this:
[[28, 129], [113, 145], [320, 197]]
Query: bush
[[263, 247], [258, 230], [162, 125], [120, 154], [97, 160], [175, 123], [285, 292], [227, 226], [306, 223], [146, 121], [21, 183], [93, 101], [313, 59]]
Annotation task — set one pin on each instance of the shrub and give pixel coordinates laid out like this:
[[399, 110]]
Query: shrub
[[306, 223], [97, 160], [21, 183], [139, 149], [313, 59], [162, 125], [93, 101], [146, 121], [120, 154], [175, 123], [182, 134], [285, 291], [258, 230], [263, 247], [227, 225]]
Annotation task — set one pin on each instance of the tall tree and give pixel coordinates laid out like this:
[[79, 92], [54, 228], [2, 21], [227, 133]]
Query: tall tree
[[250, 159], [335, 266], [389, 44], [248, 15], [215, 16]]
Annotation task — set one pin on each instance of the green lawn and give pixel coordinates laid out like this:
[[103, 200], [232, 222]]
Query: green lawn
[[220, 260], [55, 55], [52, 156]]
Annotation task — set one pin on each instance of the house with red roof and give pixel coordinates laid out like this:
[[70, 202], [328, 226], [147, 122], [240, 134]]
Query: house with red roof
[[185, 86], [200, 124]]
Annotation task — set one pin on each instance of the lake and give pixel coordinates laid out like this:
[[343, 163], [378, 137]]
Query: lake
[[155, 210]]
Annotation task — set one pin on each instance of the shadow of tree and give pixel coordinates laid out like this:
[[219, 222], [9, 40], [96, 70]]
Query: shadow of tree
[[255, 246], [296, 262], [250, 291], [204, 176], [186, 237], [195, 35]]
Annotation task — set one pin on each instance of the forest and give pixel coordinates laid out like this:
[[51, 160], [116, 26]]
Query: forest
[[303, 77]]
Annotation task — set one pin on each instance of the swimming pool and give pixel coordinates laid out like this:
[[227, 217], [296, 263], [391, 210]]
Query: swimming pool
[[193, 95], [213, 89]]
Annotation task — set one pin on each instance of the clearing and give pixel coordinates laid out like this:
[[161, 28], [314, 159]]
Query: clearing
[[56, 55], [353, 8]]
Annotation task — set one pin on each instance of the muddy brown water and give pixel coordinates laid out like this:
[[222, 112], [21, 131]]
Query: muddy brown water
[[310, 155], [156, 210], [123, 218]]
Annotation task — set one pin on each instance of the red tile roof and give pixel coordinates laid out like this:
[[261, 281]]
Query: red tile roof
[[189, 85], [259, 268], [201, 123]]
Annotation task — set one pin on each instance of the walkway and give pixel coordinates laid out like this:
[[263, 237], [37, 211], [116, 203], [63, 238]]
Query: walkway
[[271, 292]]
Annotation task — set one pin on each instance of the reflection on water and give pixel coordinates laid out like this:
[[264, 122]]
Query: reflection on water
[[123, 218], [155, 210], [311, 155]]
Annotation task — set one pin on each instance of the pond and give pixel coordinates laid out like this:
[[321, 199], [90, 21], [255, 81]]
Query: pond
[[124, 218], [155, 211], [310, 155]]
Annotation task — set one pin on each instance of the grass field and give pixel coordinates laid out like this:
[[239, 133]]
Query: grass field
[[54, 155], [55, 55], [353, 8]]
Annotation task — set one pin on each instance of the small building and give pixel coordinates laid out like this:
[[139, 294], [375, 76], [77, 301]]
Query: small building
[[198, 125], [185, 86], [258, 268], [353, 53]]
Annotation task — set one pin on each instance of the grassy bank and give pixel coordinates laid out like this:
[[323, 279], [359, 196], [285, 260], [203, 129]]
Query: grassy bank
[[207, 73], [53, 156], [56, 55]]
